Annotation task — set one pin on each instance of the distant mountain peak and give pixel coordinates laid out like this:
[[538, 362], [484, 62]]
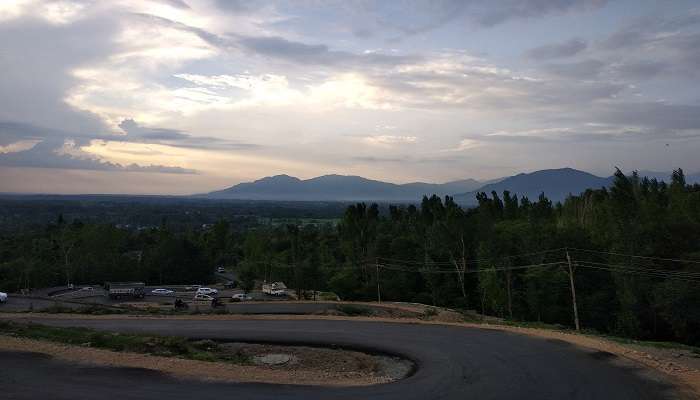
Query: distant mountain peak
[[336, 187], [556, 184], [280, 177]]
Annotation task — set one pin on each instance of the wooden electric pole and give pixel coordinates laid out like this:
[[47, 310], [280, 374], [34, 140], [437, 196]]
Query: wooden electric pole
[[573, 291], [379, 293]]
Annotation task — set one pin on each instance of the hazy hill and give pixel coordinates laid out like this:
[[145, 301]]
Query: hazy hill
[[555, 183], [339, 188]]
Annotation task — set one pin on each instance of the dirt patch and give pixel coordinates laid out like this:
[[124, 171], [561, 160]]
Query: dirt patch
[[308, 368], [329, 363]]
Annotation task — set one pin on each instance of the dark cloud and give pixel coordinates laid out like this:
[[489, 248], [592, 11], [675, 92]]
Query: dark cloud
[[641, 69], [624, 39], [404, 160], [492, 13], [47, 154], [288, 50], [558, 50], [398, 19], [659, 116], [372, 159], [303, 53], [12, 131], [178, 4], [240, 6], [177, 138], [588, 69], [37, 60]]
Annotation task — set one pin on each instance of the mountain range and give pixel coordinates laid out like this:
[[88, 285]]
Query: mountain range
[[557, 184]]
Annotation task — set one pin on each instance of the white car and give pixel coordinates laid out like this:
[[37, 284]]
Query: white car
[[3, 297], [206, 290], [203, 297], [88, 288], [162, 292], [241, 297], [221, 270]]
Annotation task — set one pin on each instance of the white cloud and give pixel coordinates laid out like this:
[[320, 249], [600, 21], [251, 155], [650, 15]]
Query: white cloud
[[266, 89], [531, 132], [464, 144], [18, 146], [389, 140], [55, 12]]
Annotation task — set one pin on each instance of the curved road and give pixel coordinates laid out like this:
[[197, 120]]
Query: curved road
[[453, 363]]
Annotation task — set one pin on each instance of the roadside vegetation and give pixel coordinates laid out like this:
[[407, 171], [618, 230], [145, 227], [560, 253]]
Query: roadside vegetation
[[135, 343], [630, 250], [351, 310]]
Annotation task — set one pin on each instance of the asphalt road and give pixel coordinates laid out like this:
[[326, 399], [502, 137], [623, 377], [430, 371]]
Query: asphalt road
[[453, 363]]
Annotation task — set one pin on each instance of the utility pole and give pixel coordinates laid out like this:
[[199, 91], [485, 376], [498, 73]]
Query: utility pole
[[379, 293], [573, 290]]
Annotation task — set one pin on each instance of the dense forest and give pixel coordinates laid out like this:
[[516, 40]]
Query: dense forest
[[631, 252]]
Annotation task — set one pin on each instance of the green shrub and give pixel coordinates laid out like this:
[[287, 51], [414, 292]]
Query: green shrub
[[354, 311]]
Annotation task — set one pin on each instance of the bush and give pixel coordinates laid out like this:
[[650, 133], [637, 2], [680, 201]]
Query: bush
[[354, 311]]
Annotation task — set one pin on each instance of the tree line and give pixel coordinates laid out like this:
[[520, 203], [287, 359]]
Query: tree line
[[633, 256]]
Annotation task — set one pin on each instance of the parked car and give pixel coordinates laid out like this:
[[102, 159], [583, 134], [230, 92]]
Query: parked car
[[118, 290], [275, 289], [240, 297], [3, 297], [88, 288], [221, 270], [230, 284], [206, 290], [162, 292], [192, 287], [203, 297]]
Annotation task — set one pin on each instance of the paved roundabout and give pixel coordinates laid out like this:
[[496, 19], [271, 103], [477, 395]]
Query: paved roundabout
[[452, 363]]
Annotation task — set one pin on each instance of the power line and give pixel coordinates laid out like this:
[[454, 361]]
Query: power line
[[468, 261], [633, 256], [400, 268], [672, 277], [644, 269]]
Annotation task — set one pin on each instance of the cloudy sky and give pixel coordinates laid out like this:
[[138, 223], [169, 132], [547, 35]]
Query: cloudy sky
[[184, 96]]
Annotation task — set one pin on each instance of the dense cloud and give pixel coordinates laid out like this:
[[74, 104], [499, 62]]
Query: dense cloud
[[49, 148], [558, 50], [176, 138], [237, 90]]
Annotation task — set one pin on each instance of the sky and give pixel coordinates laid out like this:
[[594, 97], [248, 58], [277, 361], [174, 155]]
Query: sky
[[188, 96]]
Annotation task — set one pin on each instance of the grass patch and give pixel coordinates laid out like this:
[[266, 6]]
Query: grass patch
[[89, 310], [166, 346], [327, 296], [355, 311], [530, 324], [429, 312]]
